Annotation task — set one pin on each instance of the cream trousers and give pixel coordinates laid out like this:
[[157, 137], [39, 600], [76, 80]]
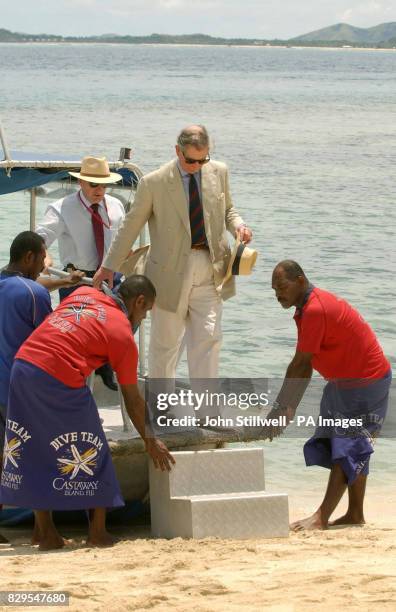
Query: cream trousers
[[196, 324]]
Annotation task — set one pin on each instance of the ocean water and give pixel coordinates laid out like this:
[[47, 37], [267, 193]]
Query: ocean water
[[308, 135]]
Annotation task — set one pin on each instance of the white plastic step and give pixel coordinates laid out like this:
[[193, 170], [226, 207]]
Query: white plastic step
[[213, 472], [216, 493]]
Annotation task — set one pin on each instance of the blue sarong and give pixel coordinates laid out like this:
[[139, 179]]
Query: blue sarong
[[3, 412], [56, 455], [349, 446]]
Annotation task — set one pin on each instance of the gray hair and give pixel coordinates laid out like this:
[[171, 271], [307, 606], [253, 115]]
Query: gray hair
[[194, 136]]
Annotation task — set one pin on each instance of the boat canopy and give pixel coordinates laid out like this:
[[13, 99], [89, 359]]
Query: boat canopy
[[29, 170], [25, 178]]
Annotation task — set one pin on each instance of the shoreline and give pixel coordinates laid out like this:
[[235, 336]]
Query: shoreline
[[200, 45]]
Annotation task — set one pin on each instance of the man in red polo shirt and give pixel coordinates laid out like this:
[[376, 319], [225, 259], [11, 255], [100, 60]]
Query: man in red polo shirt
[[56, 456], [334, 340]]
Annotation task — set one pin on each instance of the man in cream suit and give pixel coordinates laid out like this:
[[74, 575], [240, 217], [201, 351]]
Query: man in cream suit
[[188, 207]]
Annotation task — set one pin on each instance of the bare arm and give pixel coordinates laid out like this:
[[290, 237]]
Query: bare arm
[[136, 409], [51, 283], [297, 377]]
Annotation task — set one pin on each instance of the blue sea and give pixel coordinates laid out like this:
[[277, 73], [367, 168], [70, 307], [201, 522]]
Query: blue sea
[[309, 137]]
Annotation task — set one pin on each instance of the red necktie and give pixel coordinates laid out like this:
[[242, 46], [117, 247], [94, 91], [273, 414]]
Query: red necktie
[[197, 224], [97, 226]]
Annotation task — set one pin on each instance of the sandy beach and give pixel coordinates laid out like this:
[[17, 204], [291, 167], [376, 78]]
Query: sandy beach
[[326, 570]]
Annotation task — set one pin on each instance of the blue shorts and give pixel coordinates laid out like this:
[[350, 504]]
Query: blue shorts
[[351, 446]]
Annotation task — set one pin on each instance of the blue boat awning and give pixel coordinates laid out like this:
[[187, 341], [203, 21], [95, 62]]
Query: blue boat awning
[[26, 178], [25, 174]]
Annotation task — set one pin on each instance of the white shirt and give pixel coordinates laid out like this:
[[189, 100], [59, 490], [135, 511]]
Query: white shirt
[[69, 221]]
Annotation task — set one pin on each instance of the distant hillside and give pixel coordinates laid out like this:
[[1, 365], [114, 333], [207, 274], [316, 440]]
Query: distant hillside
[[383, 35], [7, 36], [343, 32]]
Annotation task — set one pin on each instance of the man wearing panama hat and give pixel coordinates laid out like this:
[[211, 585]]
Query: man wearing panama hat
[[84, 223]]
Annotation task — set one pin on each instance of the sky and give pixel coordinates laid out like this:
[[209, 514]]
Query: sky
[[266, 19]]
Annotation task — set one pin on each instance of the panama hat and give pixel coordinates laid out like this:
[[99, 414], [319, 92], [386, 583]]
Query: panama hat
[[241, 262], [96, 170]]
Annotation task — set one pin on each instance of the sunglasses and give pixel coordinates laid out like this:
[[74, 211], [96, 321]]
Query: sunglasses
[[93, 185], [201, 162]]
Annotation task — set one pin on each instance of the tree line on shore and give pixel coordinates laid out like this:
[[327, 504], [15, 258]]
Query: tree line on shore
[[328, 37]]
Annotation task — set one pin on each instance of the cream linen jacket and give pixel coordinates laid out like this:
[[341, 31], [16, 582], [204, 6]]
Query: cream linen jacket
[[161, 201]]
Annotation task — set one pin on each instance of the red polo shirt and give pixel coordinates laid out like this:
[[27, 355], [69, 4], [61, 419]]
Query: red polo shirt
[[342, 343], [87, 330]]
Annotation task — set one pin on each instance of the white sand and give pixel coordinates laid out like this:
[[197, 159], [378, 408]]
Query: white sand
[[327, 570]]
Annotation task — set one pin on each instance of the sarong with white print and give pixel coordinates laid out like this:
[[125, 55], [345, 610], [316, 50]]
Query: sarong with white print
[[56, 456]]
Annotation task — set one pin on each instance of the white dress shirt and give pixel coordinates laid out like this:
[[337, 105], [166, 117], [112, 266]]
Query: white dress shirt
[[70, 222]]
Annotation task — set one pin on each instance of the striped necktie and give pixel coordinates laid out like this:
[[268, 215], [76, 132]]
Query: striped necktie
[[97, 226], [197, 223]]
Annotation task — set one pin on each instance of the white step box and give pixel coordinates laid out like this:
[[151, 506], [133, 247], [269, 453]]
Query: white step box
[[216, 493]]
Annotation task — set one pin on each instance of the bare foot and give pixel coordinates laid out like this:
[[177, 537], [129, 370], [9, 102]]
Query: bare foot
[[53, 542], [101, 539], [348, 519], [35, 535], [311, 523]]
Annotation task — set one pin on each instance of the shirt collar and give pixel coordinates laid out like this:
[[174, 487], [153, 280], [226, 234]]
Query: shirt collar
[[308, 292], [114, 296], [187, 174], [120, 303], [5, 272]]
